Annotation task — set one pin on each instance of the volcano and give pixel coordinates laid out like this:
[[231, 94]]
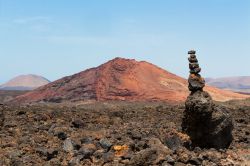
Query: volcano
[[25, 82], [120, 79]]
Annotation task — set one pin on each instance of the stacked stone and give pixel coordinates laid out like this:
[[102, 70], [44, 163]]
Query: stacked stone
[[208, 125], [196, 82]]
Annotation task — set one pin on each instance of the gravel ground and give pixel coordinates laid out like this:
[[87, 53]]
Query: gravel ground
[[112, 133]]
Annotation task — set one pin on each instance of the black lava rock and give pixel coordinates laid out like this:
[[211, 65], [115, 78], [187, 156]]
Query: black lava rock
[[78, 123], [62, 135], [195, 70], [173, 142], [191, 52], [87, 151], [86, 140], [208, 125], [47, 154], [105, 144], [196, 82]]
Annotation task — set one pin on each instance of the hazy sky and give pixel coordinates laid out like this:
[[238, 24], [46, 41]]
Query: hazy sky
[[55, 38]]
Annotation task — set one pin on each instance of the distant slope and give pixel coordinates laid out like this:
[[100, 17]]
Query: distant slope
[[25, 82], [6, 95], [237, 84], [120, 79]]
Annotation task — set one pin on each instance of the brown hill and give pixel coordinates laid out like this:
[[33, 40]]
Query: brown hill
[[120, 79]]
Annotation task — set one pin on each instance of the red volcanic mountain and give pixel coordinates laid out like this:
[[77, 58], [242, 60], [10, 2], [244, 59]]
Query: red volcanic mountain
[[120, 79]]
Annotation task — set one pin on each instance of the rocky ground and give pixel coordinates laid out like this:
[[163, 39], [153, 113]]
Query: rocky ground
[[7, 95], [112, 133]]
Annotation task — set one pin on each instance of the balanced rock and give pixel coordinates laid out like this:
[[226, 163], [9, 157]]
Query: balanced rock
[[196, 82], [191, 52], [207, 124]]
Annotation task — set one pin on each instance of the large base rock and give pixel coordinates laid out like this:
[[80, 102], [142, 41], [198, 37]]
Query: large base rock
[[208, 125]]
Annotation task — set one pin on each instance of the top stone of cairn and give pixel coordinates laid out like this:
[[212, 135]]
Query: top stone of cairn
[[191, 52]]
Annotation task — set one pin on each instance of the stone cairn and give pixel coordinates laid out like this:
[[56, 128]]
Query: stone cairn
[[196, 82], [208, 125]]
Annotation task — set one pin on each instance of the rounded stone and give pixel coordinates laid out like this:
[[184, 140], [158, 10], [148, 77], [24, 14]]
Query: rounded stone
[[200, 103], [196, 82], [192, 60], [192, 56], [191, 52], [68, 145], [195, 70], [193, 66], [105, 144]]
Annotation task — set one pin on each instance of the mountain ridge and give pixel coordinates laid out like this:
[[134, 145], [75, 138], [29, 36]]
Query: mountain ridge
[[120, 79], [233, 83]]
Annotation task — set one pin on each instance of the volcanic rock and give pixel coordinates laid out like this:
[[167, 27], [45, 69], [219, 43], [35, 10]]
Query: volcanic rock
[[62, 135], [68, 145], [1, 116], [173, 141], [87, 150], [196, 82], [25, 141], [78, 123], [199, 102], [86, 140], [207, 124], [108, 157], [105, 143], [193, 66], [191, 52], [121, 79], [144, 157], [47, 153], [75, 160]]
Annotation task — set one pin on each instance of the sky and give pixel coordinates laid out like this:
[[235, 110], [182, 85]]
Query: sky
[[56, 38]]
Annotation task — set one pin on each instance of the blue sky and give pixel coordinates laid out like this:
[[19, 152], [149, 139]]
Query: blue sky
[[55, 38]]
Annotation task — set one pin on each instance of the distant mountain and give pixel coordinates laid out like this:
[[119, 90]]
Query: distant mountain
[[120, 79], [237, 84], [25, 82]]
